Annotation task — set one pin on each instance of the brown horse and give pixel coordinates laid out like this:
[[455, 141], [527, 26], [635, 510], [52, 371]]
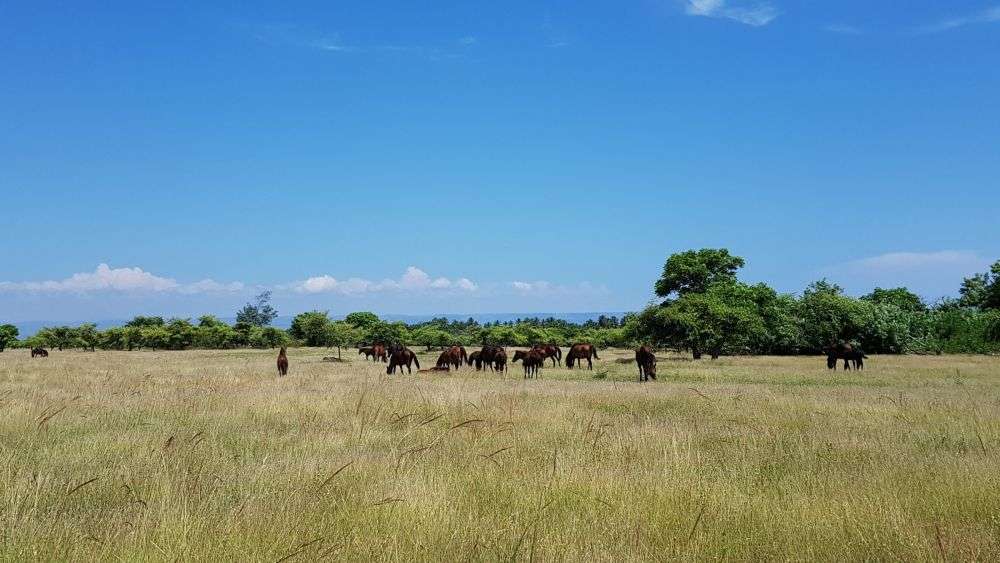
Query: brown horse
[[646, 360], [581, 352], [532, 361], [402, 357], [493, 356], [368, 351], [549, 351], [40, 352], [850, 354], [476, 359], [380, 353], [282, 362], [454, 357], [499, 360]]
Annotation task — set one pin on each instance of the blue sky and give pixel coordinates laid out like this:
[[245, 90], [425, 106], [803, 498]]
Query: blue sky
[[410, 157]]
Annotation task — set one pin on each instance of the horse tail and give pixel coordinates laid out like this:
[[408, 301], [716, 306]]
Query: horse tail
[[558, 353], [593, 350], [569, 359], [416, 361]]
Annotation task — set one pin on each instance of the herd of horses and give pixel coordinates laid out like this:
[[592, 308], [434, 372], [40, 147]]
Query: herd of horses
[[490, 357], [495, 358]]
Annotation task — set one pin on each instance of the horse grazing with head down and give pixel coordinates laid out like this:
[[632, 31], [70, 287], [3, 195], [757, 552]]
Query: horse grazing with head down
[[402, 357], [646, 360], [476, 359], [40, 352], [843, 351], [549, 351], [532, 361], [581, 352], [282, 362]]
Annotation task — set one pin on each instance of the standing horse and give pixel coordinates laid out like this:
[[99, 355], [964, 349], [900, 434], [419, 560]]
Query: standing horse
[[402, 357], [549, 351], [499, 360], [282, 362], [531, 360], [368, 351], [489, 355], [40, 352], [581, 352], [646, 360], [379, 352], [842, 351], [475, 358]]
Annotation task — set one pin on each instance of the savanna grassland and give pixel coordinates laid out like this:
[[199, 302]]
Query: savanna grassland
[[207, 455]]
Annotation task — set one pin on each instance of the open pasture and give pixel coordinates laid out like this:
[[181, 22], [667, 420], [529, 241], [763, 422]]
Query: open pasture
[[207, 455]]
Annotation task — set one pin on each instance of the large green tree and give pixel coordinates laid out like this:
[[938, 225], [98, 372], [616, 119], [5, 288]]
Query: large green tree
[[900, 297], [695, 270], [258, 313], [310, 327], [362, 319], [8, 336]]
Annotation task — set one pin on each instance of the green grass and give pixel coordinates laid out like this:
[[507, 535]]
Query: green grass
[[207, 455]]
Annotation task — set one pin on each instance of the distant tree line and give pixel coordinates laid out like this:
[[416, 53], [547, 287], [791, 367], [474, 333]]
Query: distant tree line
[[702, 308]]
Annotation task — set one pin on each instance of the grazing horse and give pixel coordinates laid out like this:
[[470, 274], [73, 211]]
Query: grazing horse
[[380, 354], [581, 352], [402, 357], [40, 352], [475, 358], [850, 354], [458, 356], [282, 362], [531, 360], [646, 360], [499, 360], [489, 356], [368, 351], [549, 351]]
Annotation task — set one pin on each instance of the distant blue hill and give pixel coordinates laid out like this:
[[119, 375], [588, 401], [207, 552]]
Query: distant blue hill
[[29, 328]]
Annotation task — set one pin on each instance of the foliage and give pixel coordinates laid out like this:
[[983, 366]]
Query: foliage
[[310, 328], [695, 271], [900, 297], [258, 313], [8, 336]]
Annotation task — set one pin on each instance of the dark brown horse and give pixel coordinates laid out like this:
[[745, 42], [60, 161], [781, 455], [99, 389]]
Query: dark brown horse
[[495, 357], [499, 360], [476, 359], [549, 351], [402, 357], [368, 351], [850, 354], [40, 352], [282, 362], [646, 360], [581, 352], [532, 361], [454, 357]]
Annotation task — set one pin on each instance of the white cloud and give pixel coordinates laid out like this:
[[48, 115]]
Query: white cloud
[[106, 278], [212, 286], [756, 15], [902, 261], [930, 274], [545, 288], [413, 279], [992, 15]]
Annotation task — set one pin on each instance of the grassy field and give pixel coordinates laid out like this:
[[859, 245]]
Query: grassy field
[[206, 455]]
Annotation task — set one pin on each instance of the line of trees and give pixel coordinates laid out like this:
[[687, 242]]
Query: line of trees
[[702, 307]]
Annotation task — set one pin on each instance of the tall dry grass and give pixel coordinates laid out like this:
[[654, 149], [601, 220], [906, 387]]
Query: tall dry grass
[[207, 455]]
